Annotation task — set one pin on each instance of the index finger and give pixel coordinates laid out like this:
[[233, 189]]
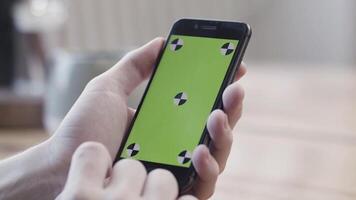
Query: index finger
[[240, 72]]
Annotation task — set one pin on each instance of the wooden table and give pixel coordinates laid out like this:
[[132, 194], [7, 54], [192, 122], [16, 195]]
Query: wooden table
[[296, 140]]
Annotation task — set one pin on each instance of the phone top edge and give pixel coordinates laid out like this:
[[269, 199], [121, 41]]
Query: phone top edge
[[208, 21], [211, 28], [245, 25]]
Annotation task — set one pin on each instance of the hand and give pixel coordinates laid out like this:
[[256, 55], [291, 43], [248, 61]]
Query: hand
[[92, 177], [101, 114], [209, 163]]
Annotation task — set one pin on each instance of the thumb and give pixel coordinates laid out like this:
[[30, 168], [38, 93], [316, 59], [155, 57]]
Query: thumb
[[135, 66], [90, 165]]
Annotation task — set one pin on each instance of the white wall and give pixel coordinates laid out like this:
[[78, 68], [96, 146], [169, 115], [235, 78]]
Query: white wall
[[318, 31]]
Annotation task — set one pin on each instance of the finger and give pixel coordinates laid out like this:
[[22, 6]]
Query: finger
[[207, 169], [221, 137], [127, 179], [130, 114], [135, 67], [241, 71], [187, 197], [91, 163], [232, 102], [160, 184]]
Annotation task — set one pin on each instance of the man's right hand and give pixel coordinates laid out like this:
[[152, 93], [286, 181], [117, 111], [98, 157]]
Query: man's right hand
[[92, 177], [101, 114]]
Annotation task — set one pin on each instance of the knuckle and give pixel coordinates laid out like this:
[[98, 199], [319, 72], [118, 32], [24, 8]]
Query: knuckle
[[106, 85], [101, 82], [123, 195], [132, 165], [90, 149], [239, 110], [161, 172], [164, 175], [223, 142], [78, 194], [210, 194], [241, 91], [203, 193], [229, 139], [163, 180], [187, 197], [131, 58], [222, 168], [216, 173], [94, 82]]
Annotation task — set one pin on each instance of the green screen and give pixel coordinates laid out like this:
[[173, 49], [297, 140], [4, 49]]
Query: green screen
[[179, 100]]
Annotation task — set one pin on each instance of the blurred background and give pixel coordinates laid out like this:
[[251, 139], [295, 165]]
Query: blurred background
[[297, 137]]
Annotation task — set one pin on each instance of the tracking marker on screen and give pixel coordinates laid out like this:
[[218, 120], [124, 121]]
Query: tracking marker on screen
[[227, 48], [180, 99], [184, 157], [132, 149], [176, 44]]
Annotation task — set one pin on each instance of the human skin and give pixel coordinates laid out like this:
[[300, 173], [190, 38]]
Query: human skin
[[92, 176], [101, 115]]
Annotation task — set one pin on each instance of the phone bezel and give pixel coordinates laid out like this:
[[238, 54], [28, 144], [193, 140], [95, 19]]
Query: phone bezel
[[223, 29]]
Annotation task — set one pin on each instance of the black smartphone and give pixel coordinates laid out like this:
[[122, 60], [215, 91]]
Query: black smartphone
[[198, 61]]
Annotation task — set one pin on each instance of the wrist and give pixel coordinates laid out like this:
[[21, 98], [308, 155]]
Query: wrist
[[31, 175], [58, 163], [50, 172]]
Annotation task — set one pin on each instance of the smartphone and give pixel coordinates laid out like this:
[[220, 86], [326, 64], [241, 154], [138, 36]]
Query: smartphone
[[198, 61]]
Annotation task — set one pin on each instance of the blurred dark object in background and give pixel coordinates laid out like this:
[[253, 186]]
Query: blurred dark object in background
[[18, 109], [24, 58], [7, 41]]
